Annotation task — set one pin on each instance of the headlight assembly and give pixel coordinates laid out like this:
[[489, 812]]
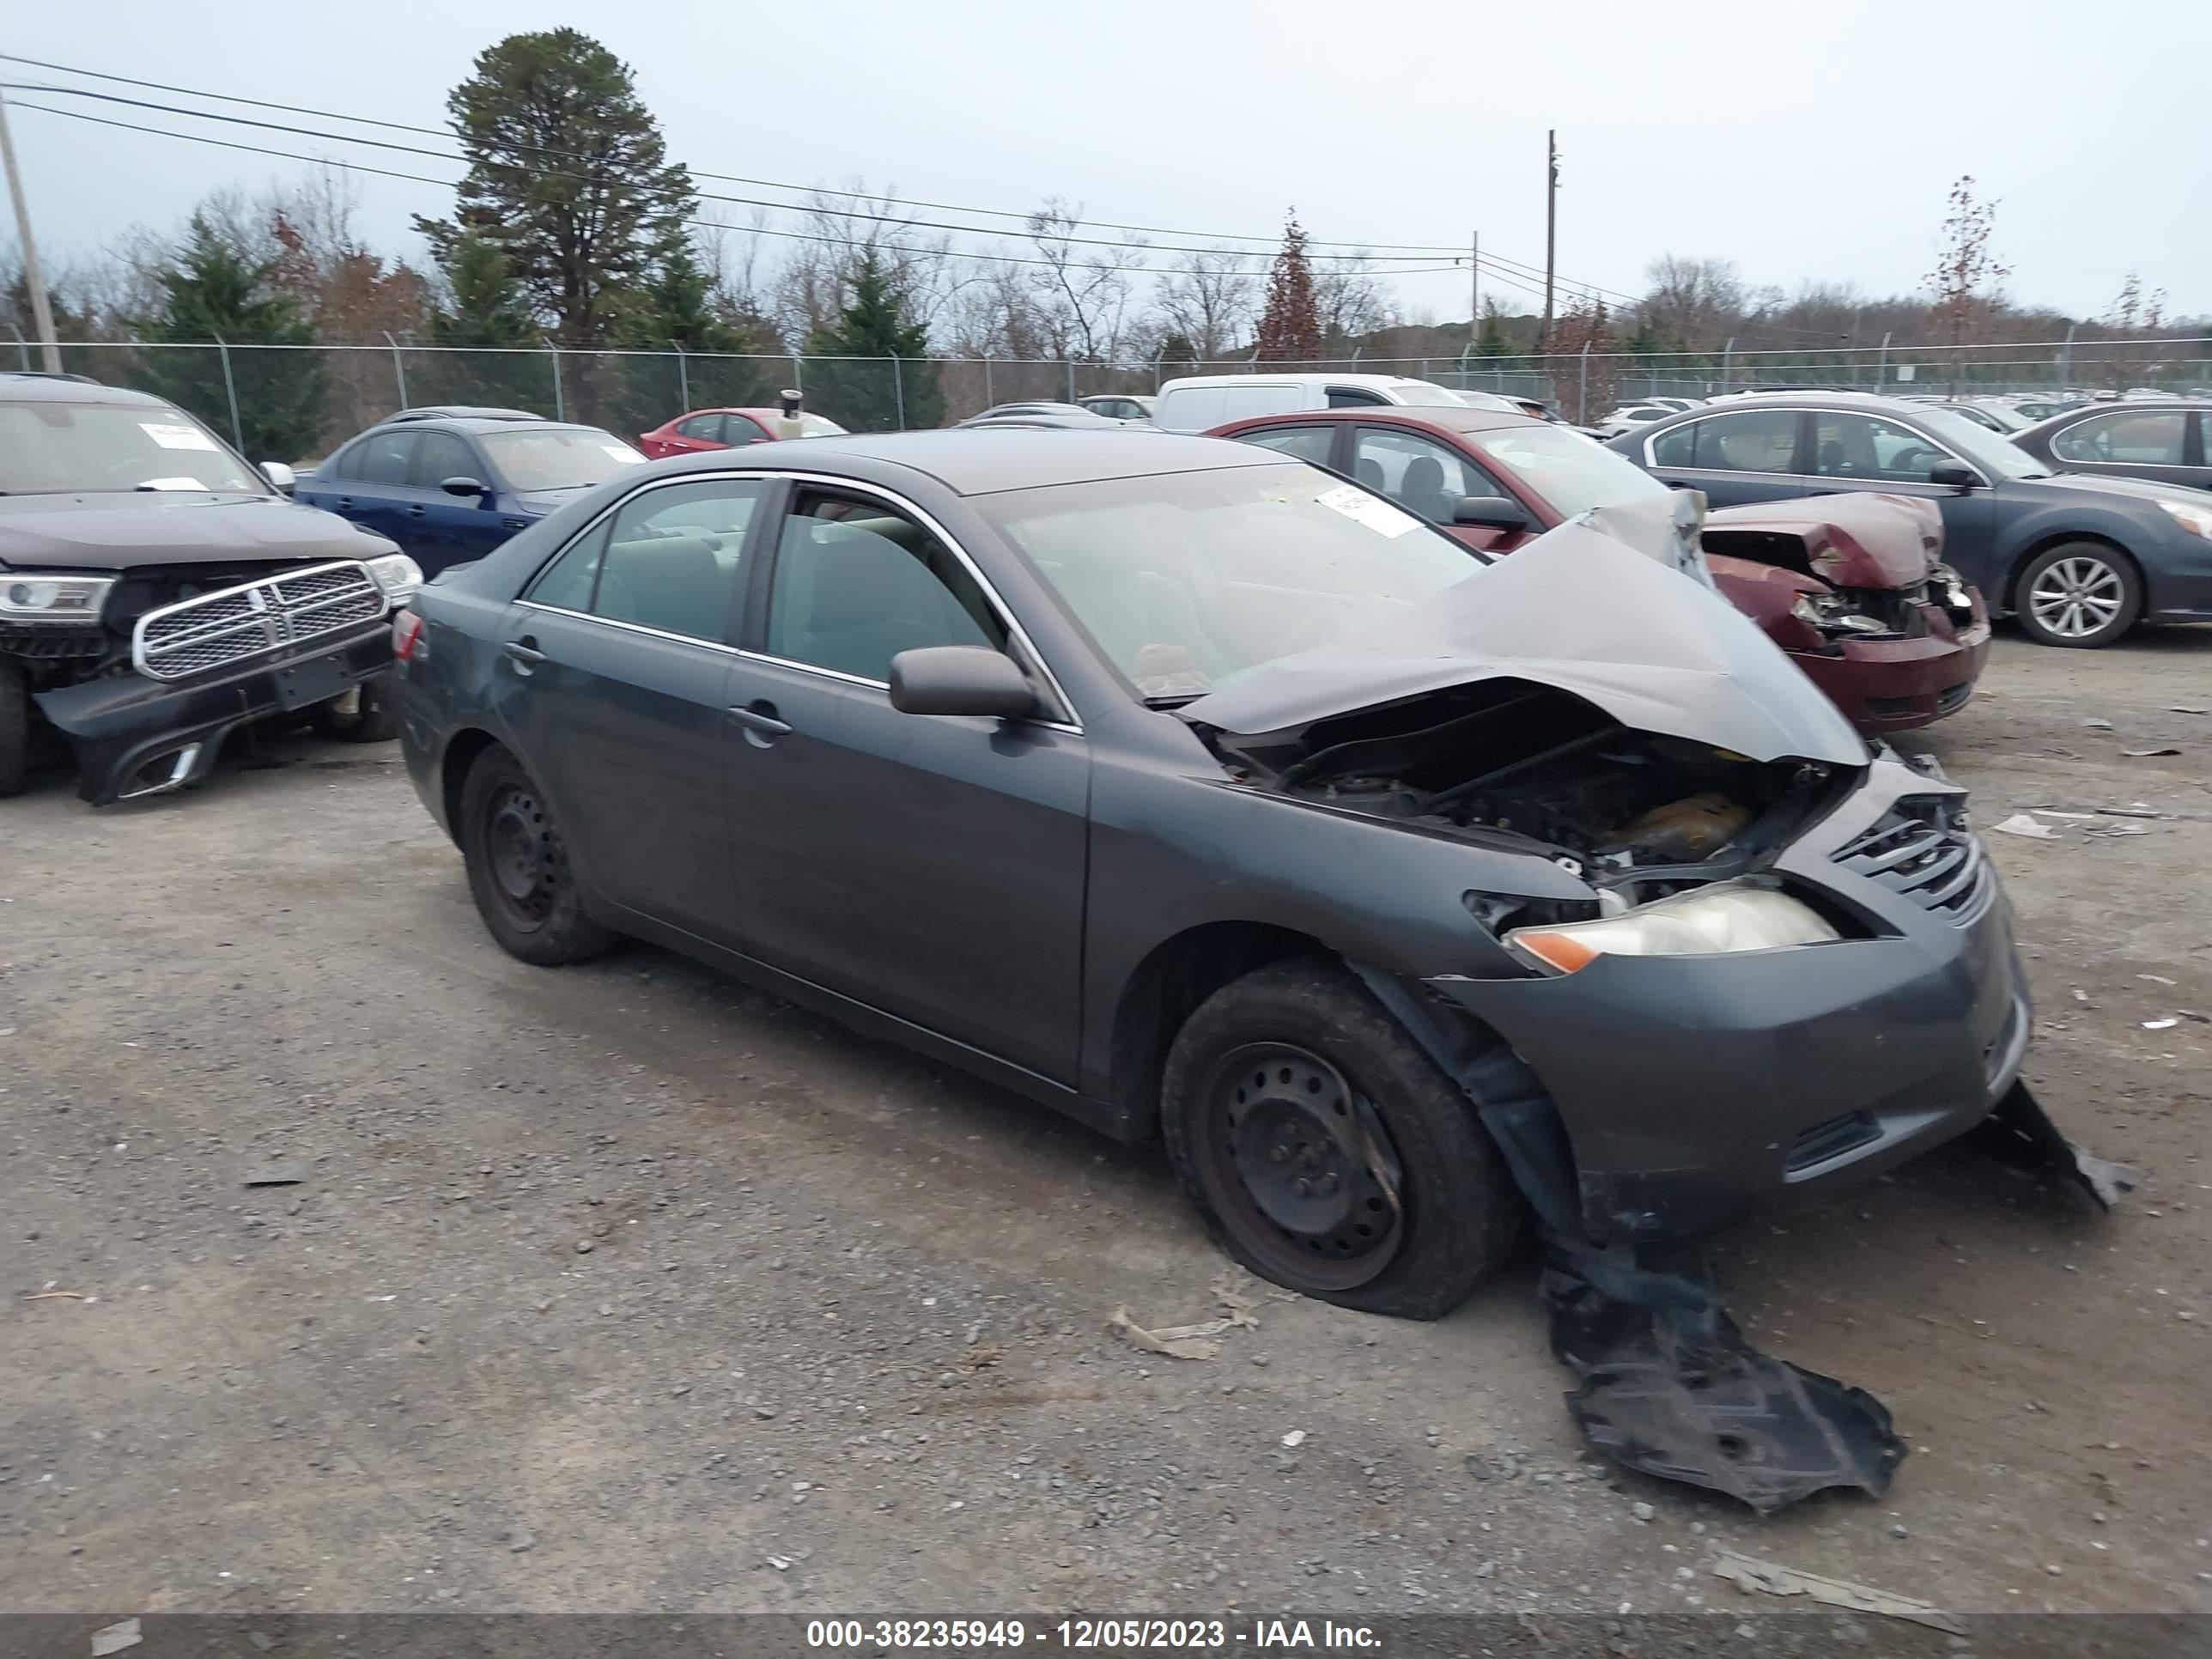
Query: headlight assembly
[[1831, 614], [2195, 519], [34, 597], [398, 576], [1728, 917]]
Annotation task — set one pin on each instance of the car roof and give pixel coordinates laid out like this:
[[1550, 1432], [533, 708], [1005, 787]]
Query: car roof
[[1378, 382], [478, 425], [457, 412], [28, 385], [1871, 402], [984, 460]]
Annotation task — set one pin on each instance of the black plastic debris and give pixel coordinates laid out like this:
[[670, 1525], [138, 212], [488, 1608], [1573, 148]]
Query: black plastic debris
[[1670, 1385], [2021, 1124]]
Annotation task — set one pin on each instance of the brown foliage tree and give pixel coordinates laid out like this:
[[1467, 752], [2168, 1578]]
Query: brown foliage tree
[[1290, 328]]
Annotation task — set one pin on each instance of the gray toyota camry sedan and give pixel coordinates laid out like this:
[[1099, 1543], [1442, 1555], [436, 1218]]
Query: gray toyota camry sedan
[[1206, 796]]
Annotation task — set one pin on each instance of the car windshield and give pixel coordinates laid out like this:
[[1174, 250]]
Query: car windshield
[[1566, 469], [1188, 579], [2008, 419], [1983, 448], [556, 456], [61, 448], [1421, 392]]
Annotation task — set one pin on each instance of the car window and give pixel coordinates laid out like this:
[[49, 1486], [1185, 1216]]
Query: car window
[[708, 428], [2141, 440], [1345, 396], [542, 456], [1418, 473], [385, 456], [1566, 469], [1867, 446], [856, 583], [346, 464], [744, 429], [1748, 441], [1308, 443], [666, 558], [440, 456]]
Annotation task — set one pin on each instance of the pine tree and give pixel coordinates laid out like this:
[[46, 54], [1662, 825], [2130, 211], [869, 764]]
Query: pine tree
[[1490, 341], [484, 306], [1290, 327], [867, 396], [212, 293]]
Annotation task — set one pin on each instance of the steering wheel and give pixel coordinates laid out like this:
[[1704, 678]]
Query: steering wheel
[[1914, 460]]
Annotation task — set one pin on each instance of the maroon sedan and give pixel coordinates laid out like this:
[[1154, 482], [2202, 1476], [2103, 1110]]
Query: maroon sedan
[[1851, 585], [724, 428]]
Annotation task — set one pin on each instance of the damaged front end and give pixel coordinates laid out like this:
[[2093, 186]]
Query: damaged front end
[[1789, 964]]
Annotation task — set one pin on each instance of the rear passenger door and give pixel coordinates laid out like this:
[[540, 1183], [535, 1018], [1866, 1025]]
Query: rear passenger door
[[1742, 455], [614, 678], [931, 866], [2132, 443], [379, 494]]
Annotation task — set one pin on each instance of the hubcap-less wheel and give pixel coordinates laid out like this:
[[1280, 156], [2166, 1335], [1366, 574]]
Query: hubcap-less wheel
[[525, 855], [2076, 597], [1300, 1166]]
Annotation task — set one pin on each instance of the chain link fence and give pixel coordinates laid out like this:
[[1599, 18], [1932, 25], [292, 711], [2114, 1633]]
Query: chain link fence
[[296, 403]]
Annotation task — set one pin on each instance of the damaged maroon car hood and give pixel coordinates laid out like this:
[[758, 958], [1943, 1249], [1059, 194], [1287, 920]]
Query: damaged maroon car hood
[[1850, 540], [1623, 627]]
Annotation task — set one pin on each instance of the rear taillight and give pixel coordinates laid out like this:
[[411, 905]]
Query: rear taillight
[[406, 636]]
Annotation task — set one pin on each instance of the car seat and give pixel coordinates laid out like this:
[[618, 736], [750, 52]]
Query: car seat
[[1422, 489], [674, 583]]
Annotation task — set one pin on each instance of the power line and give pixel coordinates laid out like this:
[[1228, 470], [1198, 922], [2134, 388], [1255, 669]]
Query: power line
[[705, 224], [1393, 249]]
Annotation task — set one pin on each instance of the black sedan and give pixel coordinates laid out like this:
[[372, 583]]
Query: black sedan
[[2164, 442], [1206, 796], [2079, 559]]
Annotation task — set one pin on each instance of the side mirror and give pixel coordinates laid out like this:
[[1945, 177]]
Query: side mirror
[[281, 477], [1491, 513], [960, 679], [463, 487], [1954, 474]]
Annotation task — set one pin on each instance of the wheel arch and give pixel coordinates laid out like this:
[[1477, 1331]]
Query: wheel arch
[[1167, 987], [2043, 544], [461, 752]]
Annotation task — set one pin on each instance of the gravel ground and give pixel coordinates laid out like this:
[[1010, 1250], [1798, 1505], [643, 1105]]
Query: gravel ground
[[628, 1288]]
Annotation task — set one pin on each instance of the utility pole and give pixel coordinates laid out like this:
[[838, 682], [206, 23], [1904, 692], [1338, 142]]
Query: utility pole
[[1551, 225], [1473, 284], [42, 313]]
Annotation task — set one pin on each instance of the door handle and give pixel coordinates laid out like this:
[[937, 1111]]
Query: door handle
[[416, 512], [762, 726], [523, 655]]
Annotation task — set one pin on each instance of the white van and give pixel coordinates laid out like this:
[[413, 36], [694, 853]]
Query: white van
[[1199, 403]]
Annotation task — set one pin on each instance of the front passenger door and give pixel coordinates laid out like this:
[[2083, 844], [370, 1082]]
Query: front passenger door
[[932, 866], [1427, 479]]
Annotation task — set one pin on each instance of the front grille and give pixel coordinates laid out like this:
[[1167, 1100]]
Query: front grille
[[1831, 1139], [260, 619], [1923, 849]]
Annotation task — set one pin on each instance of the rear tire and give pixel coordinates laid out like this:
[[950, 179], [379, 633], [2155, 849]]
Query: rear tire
[[371, 716], [1326, 1151], [518, 872], [2079, 594], [15, 729]]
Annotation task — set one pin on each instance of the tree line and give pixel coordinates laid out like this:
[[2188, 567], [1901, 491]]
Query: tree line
[[572, 228]]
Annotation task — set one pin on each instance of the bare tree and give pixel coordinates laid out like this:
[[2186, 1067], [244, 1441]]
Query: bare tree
[[1082, 292], [1691, 304], [815, 281], [2136, 316], [1349, 301], [1208, 301], [1968, 279]]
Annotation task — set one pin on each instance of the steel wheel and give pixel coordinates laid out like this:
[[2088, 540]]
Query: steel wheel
[[524, 855], [2076, 597], [1299, 1165]]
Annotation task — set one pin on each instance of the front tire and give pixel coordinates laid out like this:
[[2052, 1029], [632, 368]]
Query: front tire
[[15, 729], [1327, 1153], [518, 872], [2079, 594]]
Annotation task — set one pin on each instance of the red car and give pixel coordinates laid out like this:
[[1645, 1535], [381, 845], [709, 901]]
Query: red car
[[725, 428], [1851, 585]]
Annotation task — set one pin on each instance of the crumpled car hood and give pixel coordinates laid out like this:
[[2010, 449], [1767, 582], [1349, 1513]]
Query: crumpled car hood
[[120, 530], [1624, 626], [1851, 540]]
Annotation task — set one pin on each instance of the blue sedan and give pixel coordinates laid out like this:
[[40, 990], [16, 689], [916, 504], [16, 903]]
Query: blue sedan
[[448, 491]]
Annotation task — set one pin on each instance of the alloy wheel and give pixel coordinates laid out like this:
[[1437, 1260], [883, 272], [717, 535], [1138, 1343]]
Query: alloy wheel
[[2076, 597]]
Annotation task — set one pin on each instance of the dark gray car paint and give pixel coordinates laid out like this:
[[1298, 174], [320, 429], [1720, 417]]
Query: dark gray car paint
[[1171, 845], [1991, 531]]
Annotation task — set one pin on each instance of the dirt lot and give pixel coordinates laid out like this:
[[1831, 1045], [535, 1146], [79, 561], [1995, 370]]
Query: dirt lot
[[628, 1288]]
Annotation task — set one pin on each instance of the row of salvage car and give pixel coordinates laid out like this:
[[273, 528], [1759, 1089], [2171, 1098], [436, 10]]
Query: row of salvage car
[[1408, 887]]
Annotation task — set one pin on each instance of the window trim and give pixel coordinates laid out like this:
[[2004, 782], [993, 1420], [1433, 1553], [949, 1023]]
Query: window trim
[[2105, 416], [1797, 443], [1069, 720]]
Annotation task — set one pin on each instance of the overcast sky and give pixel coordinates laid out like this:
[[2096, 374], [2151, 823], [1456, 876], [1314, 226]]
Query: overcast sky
[[1798, 141]]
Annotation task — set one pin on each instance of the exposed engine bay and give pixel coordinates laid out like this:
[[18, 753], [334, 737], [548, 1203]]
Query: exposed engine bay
[[1638, 815]]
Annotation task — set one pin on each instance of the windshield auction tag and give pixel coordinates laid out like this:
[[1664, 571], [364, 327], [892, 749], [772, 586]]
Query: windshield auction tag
[[1359, 506], [621, 453], [170, 435]]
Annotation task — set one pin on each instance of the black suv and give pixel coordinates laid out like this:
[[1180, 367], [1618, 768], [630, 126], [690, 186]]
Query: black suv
[[156, 592]]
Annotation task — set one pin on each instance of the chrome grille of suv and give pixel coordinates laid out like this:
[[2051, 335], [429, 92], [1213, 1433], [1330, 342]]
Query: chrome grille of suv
[[1922, 849], [256, 619]]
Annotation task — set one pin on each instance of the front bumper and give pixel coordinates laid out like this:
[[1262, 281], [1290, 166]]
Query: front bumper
[[1694, 1089], [1895, 685], [135, 736]]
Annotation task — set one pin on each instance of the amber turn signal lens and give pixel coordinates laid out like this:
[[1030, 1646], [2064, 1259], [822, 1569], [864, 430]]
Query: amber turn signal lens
[[1561, 951]]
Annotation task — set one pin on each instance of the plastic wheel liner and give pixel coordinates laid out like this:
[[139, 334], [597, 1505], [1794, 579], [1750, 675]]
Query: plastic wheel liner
[[1666, 1382]]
